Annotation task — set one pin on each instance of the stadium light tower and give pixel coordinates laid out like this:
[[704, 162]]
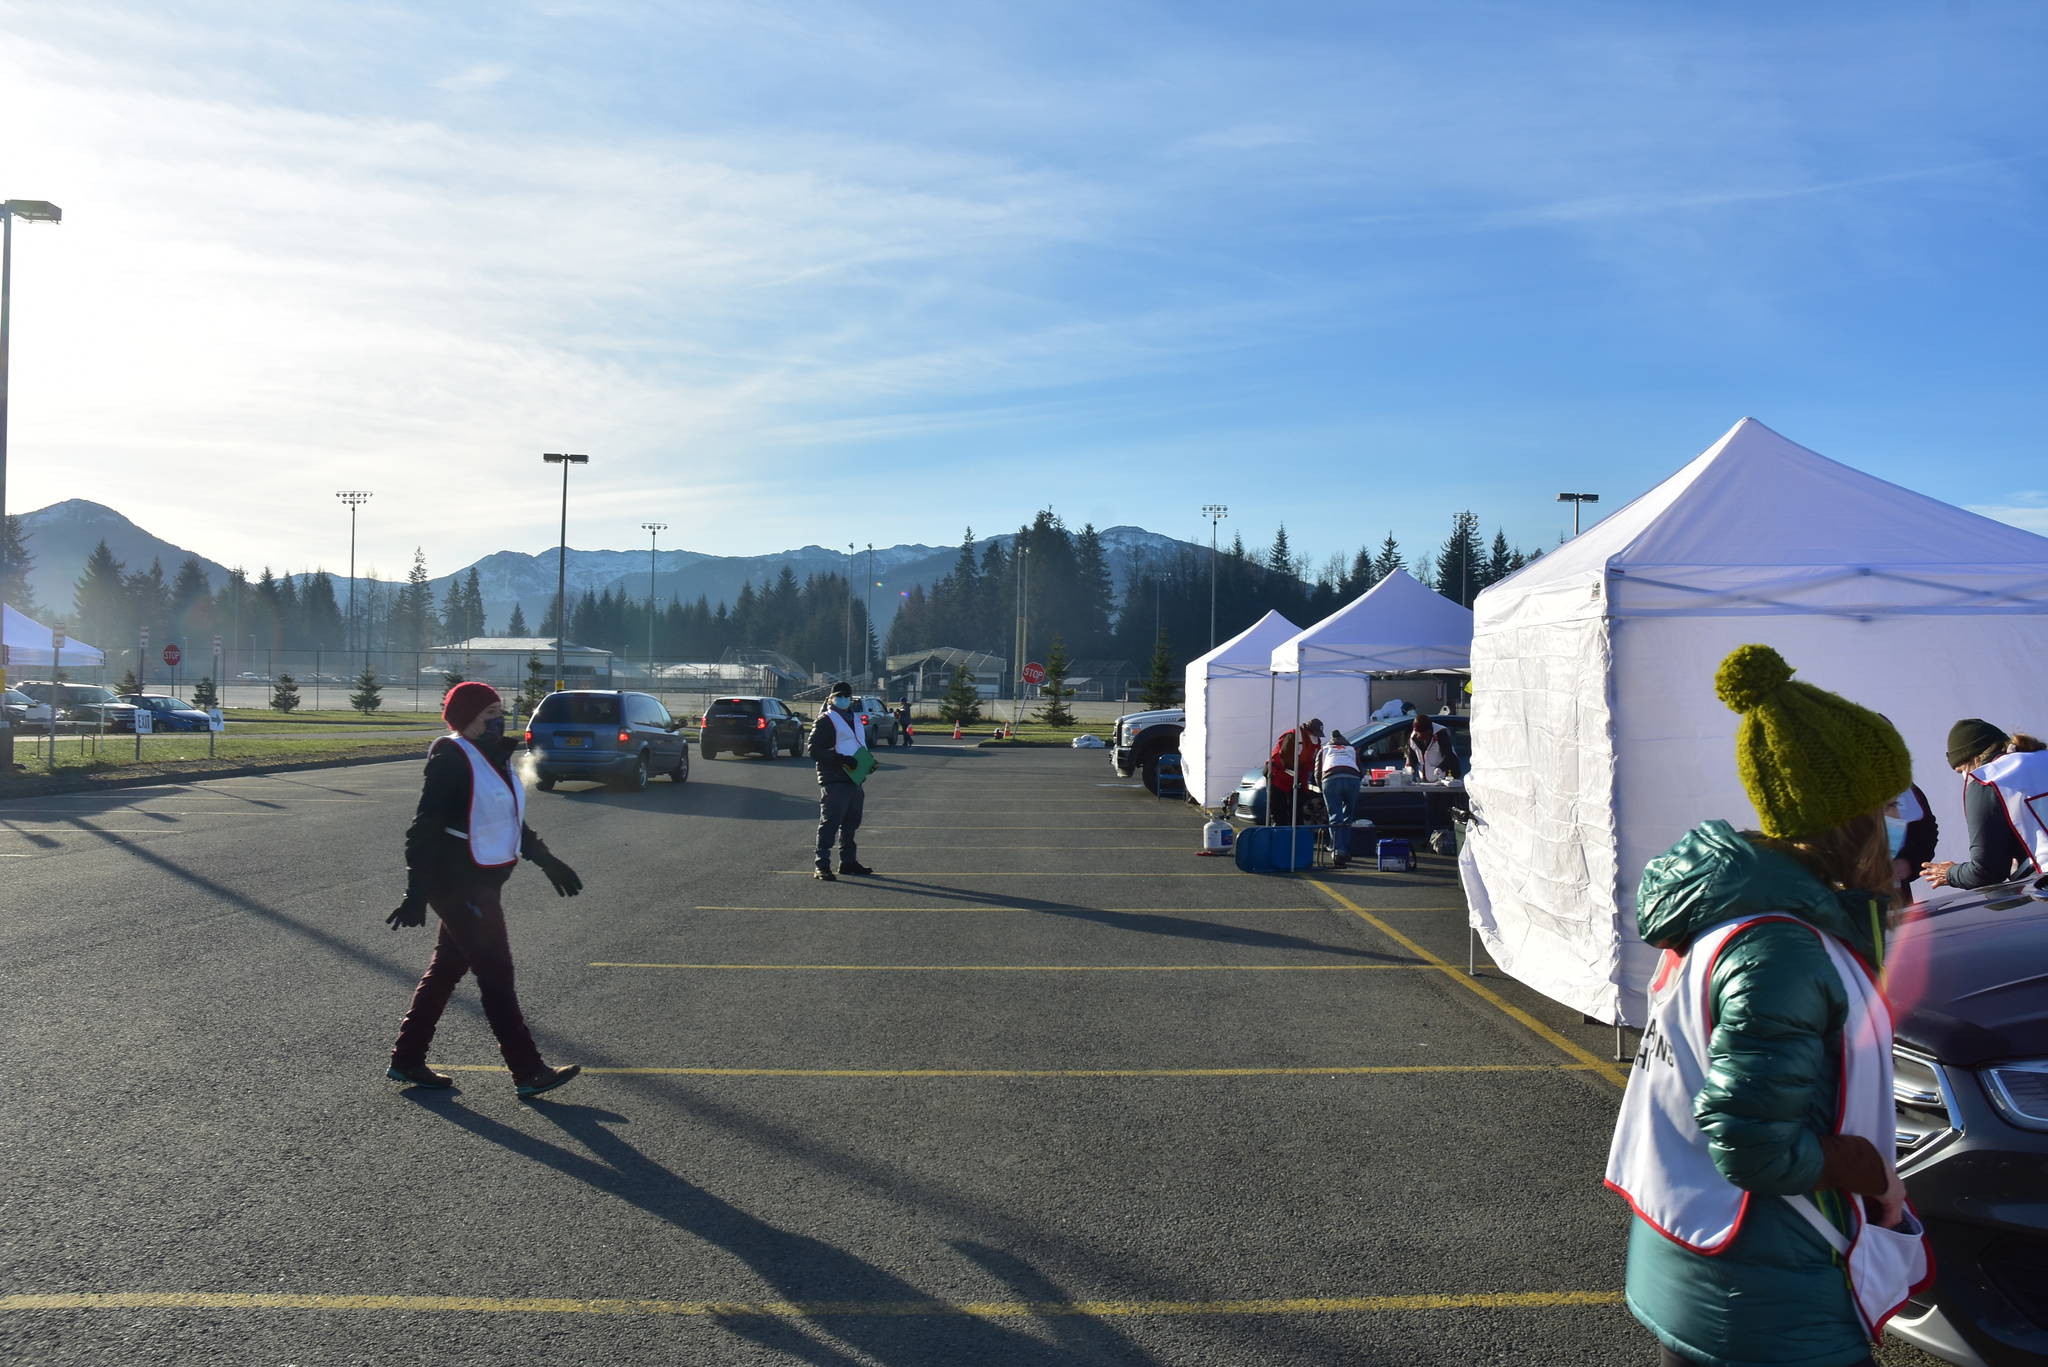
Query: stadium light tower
[[28, 211], [1577, 501], [1215, 512], [354, 498], [565, 460], [653, 529]]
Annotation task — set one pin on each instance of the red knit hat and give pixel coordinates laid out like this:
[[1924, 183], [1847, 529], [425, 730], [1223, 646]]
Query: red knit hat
[[465, 701]]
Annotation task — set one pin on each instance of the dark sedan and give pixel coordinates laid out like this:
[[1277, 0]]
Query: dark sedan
[[1380, 745], [1968, 982]]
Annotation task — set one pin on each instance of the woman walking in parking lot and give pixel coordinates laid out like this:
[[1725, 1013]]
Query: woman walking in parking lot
[[1755, 1140], [466, 835]]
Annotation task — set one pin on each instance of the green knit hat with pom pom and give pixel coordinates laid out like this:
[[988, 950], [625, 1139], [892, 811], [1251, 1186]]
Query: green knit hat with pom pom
[[1810, 759]]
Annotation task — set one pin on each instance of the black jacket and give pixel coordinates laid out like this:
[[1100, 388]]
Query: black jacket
[[1921, 835], [832, 766], [436, 861], [1995, 847]]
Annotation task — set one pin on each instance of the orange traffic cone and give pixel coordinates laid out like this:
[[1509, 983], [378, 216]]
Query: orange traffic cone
[[956, 730]]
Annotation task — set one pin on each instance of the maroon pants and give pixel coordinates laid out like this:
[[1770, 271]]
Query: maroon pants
[[472, 940]]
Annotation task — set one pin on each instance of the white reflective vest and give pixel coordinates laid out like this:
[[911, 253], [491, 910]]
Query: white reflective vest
[[847, 731], [1659, 1161], [497, 810], [1336, 759], [1431, 761], [2022, 784]]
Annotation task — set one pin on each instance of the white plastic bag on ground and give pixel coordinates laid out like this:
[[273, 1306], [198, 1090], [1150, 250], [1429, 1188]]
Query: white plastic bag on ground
[[1085, 741]]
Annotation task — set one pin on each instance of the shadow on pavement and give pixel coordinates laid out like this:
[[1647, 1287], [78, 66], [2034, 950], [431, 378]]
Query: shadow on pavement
[[712, 800], [799, 1267], [1183, 927]]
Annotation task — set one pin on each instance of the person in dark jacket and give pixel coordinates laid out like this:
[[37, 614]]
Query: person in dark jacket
[[1997, 854], [467, 835], [1819, 771], [836, 739], [1912, 833]]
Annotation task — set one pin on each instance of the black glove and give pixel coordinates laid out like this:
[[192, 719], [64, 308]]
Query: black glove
[[411, 912], [567, 884]]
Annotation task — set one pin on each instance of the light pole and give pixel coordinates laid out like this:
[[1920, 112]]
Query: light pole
[[565, 460], [1576, 500], [29, 211], [653, 529], [354, 498], [1215, 512], [869, 625], [846, 660], [1023, 631]]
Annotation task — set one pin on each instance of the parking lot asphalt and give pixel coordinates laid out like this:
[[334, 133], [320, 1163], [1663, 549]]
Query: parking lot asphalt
[[1048, 1089]]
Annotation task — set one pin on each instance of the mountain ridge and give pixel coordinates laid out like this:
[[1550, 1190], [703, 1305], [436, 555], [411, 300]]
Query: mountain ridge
[[62, 535]]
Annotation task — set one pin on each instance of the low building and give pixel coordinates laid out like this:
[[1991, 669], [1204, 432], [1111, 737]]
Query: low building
[[925, 674], [501, 661]]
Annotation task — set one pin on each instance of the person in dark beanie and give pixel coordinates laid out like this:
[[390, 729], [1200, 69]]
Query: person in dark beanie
[[467, 834], [837, 741], [1998, 853]]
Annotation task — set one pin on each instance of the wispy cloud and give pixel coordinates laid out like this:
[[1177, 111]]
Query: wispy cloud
[[2028, 510], [481, 76]]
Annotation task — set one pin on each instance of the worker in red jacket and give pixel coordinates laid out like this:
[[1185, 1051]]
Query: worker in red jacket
[[1289, 769]]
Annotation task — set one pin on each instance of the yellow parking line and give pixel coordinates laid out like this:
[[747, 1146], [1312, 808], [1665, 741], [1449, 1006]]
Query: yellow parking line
[[1035, 968], [1381, 1070], [1592, 1062], [549, 1305], [1026, 873], [980, 906]]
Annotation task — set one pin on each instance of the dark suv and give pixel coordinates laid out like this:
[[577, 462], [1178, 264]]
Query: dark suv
[[751, 726], [1968, 983], [608, 735], [83, 706]]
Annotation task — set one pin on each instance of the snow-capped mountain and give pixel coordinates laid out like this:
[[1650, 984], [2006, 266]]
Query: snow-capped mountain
[[61, 536]]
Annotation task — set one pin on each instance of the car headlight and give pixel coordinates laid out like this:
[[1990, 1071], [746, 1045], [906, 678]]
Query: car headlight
[[2020, 1091]]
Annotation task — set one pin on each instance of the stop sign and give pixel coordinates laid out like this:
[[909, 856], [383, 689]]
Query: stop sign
[[1034, 673], [172, 654]]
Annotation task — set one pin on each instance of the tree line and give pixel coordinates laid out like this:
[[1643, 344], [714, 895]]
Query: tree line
[[1061, 583]]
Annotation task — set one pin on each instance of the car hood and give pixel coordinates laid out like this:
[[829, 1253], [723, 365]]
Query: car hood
[[1968, 977]]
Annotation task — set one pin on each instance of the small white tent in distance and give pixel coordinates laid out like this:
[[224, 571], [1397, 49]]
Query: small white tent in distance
[[1597, 739], [28, 646], [1226, 703]]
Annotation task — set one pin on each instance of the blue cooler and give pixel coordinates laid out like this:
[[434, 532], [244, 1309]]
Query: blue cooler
[[1395, 856]]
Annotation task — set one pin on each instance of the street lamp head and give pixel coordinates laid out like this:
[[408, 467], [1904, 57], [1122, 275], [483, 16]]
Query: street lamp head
[[353, 497], [33, 210], [654, 526], [564, 457], [1578, 498], [1215, 512]]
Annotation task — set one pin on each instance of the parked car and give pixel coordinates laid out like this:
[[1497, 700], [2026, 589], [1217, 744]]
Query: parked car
[[875, 715], [84, 707], [1968, 983], [608, 735], [751, 726], [1380, 745], [22, 710], [1138, 739], [169, 713]]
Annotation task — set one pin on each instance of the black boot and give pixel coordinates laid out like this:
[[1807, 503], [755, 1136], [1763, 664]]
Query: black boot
[[853, 866], [823, 873]]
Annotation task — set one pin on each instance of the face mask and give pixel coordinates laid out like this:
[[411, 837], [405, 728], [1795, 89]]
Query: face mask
[[1895, 833], [494, 729], [843, 704]]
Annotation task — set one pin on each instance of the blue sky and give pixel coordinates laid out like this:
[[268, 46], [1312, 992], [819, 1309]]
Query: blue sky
[[820, 273]]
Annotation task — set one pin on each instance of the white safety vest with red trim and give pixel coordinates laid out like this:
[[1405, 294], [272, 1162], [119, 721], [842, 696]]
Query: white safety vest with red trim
[[497, 810], [1659, 1161], [2022, 784]]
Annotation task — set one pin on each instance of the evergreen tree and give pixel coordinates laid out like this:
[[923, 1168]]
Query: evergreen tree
[[472, 605], [99, 600], [534, 688], [1359, 575], [1054, 690], [961, 703], [16, 564], [1459, 573], [1095, 597], [284, 695], [1388, 560], [1280, 558], [453, 614], [321, 613], [369, 695], [128, 684], [517, 626], [205, 696], [412, 617], [1500, 563], [1162, 689]]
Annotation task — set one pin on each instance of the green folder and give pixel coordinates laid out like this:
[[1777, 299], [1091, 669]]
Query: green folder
[[863, 764]]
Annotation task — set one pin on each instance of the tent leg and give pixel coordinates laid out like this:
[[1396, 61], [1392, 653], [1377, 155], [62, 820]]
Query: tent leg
[[1620, 1055], [1471, 951]]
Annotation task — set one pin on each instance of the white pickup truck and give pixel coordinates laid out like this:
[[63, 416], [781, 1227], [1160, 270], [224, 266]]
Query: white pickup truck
[[1139, 738]]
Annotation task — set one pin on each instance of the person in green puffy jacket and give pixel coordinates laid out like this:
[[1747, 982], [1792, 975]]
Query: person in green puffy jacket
[[1819, 770]]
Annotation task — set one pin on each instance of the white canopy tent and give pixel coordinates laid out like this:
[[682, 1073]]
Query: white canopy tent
[[28, 645], [1597, 739], [1226, 710], [1399, 625]]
